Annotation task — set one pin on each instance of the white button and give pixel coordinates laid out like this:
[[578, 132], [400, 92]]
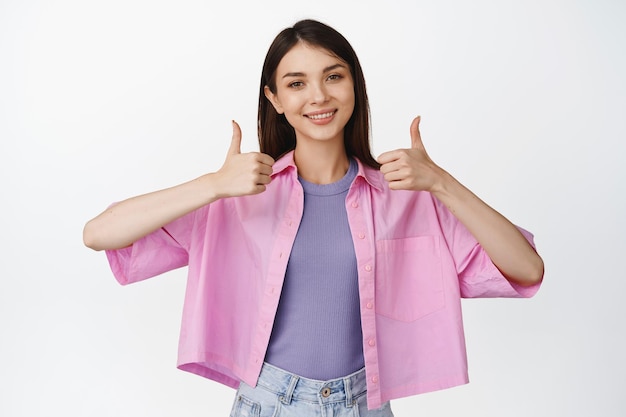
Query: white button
[[375, 379], [355, 204], [371, 342], [369, 305], [368, 268], [361, 235]]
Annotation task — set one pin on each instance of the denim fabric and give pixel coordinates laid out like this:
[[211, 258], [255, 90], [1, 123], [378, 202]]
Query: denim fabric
[[281, 394]]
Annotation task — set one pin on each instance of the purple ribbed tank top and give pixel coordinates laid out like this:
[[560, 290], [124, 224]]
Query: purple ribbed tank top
[[317, 331]]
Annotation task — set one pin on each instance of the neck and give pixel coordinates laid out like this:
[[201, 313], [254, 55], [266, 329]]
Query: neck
[[320, 163]]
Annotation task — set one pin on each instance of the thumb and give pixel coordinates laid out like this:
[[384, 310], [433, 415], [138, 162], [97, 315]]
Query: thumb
[[235, 144], [416, 138]]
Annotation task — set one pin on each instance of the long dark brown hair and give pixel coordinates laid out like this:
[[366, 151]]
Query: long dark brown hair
[[276, 136]]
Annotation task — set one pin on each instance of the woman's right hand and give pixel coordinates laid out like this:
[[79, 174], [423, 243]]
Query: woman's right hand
[[242, 173], [127, 221]]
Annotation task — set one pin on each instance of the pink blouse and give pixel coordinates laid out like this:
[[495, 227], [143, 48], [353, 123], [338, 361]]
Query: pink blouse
[[415, 261]]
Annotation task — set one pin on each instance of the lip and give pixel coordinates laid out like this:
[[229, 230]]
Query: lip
[[322, 120]]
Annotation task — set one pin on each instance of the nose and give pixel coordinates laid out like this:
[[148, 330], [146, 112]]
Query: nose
[[319, 93]]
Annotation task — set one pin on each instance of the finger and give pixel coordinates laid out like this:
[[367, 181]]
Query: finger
[[388, 156], [416, 138], [395, 176], [260, 188], [265, 159], [399, 185], [235, 144], [265, 170], [264, 179], [390, 167]]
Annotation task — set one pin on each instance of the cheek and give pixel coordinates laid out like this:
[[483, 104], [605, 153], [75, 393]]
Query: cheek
[[291, 112], [347, 96], [289, 104], [349, 100]]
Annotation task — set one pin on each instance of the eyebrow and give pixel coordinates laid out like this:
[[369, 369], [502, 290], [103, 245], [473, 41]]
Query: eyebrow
[[302, 74]]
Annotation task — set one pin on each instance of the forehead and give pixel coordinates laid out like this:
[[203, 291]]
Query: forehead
[[306, 58]]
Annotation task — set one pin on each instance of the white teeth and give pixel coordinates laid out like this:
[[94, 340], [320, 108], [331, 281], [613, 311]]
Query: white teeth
[[321, 116]]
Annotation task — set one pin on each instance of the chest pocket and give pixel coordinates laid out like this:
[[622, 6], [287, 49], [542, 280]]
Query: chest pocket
[[409, 282]]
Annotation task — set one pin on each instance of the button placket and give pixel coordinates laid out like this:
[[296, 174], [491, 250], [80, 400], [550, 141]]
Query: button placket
[[361, 224]]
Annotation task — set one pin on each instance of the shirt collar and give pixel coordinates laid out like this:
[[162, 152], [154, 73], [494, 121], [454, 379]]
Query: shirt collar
[[370, 175]]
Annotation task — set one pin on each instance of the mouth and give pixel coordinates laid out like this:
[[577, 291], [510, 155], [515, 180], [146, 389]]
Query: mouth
[[321, 116]]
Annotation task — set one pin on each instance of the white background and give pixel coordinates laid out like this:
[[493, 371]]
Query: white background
[[524, 102]]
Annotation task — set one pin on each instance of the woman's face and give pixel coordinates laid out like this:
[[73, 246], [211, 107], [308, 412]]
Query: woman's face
[[315, 92]]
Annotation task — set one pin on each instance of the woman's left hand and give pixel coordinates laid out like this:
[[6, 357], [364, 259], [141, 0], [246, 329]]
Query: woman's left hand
[[411, 169]]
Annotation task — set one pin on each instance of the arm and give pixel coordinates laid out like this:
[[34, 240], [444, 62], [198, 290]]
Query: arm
[[126, 222], [412, 169]]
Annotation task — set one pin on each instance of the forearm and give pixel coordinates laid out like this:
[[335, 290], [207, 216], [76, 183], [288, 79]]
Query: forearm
[[127, 221], [412, 169], [506, 246]]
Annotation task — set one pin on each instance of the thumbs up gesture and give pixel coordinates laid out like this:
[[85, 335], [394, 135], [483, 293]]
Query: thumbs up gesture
[[410, 169], [243, 173]]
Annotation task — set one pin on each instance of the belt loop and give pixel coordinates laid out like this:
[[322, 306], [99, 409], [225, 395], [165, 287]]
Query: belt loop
[[290, 389], [348, 391]]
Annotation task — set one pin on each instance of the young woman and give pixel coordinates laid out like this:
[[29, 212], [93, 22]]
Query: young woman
[[319, 277]]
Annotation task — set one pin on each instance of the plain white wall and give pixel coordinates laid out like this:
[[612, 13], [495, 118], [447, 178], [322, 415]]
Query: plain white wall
[[524, 102]]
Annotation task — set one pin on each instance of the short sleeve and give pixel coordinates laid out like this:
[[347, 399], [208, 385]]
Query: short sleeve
[[478, 276], [163, 250]]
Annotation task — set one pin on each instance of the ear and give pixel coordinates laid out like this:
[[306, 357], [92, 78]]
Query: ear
[[273, 99]]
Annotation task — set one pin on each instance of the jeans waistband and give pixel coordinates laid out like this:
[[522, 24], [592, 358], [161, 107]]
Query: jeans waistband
[[290, 387]]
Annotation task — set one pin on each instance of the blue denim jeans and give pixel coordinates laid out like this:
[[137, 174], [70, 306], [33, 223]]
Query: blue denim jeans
[[281, 394]]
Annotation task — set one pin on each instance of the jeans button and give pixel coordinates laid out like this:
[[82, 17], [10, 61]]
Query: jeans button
[[325, 392]]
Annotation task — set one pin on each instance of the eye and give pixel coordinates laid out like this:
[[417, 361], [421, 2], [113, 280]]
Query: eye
[[334, 77], [295, 84]]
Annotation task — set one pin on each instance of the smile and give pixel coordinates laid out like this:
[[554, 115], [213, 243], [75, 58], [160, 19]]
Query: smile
[[321, 115]]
